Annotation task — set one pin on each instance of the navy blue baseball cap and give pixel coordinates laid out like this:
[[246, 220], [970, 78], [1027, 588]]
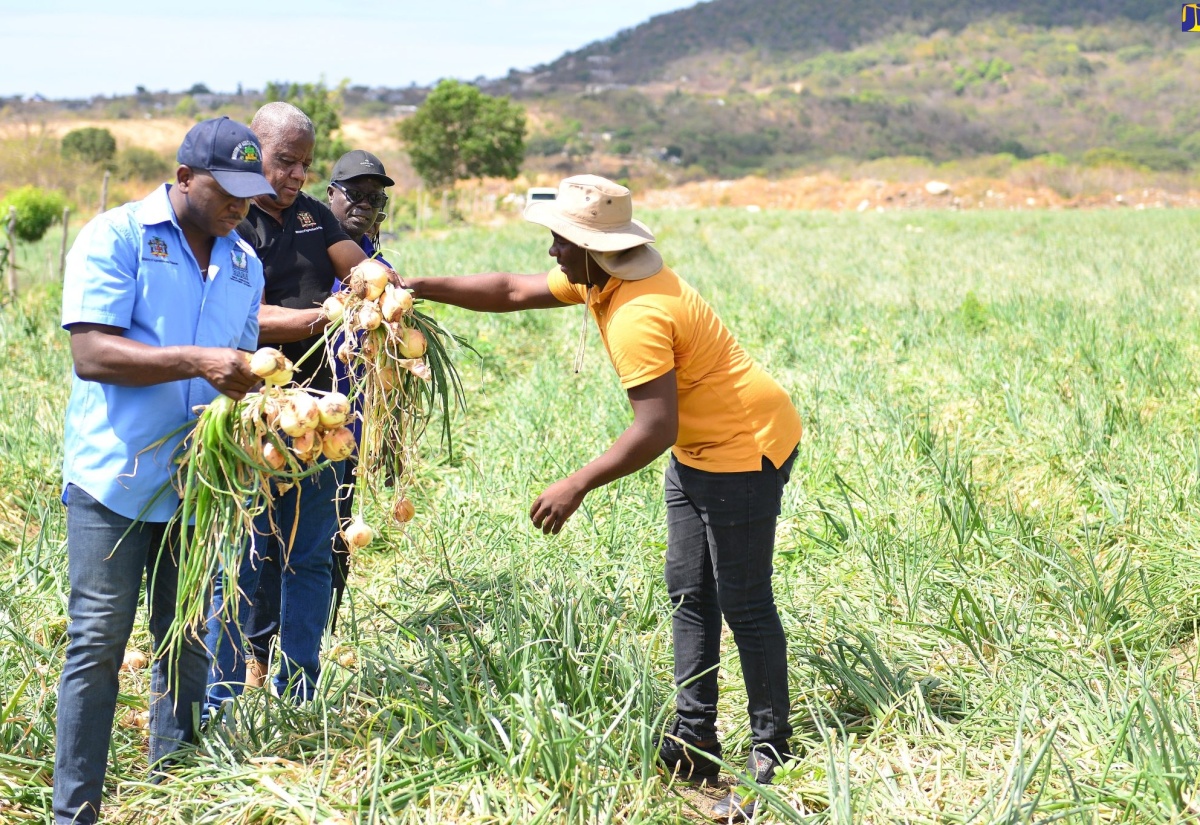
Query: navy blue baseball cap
[[230, 152]]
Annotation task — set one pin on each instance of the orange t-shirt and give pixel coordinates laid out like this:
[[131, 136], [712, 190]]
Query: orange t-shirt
[[731, 413]]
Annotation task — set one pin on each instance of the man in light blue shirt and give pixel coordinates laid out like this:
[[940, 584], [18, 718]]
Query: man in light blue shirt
[[160, 296]]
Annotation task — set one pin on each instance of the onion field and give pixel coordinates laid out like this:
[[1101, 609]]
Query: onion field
[[988, 565]]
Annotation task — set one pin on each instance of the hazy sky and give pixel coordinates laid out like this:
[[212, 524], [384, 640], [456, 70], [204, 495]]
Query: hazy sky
[[69, 48]]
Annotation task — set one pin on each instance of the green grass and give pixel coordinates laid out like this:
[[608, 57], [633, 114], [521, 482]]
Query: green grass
[[986, 565]]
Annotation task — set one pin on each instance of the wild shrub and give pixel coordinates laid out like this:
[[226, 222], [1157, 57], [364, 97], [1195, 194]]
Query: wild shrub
[[140, 163], [37, 209], [90, 144]]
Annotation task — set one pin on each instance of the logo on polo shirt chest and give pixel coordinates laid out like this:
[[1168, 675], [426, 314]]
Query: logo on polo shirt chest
[[241, 274], [158, 248], [306, 220], [247, 152]]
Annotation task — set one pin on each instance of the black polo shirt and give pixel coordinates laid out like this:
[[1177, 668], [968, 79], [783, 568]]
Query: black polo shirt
[[296, 267]]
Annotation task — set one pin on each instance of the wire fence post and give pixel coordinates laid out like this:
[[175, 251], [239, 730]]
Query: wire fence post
[[104, 193]]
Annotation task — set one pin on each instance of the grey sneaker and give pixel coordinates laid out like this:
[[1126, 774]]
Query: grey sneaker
[[764, 760]]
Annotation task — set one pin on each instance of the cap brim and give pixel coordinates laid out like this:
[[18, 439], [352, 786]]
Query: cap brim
[[242, 184], [627, 236]]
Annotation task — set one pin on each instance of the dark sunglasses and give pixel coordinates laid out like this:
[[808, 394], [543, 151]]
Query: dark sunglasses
[[375, 200]]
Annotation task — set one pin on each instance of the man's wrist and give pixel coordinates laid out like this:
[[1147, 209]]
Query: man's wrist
[[186, 360], [319, 322], [580, 482]]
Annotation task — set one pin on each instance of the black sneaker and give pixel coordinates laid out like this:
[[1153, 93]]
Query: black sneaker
[[689, 761], [764, 760]]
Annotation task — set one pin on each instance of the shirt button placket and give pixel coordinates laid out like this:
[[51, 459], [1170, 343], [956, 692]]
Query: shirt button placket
[[198, 387]]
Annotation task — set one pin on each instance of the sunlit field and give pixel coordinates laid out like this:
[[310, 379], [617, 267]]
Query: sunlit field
[[987, 564]]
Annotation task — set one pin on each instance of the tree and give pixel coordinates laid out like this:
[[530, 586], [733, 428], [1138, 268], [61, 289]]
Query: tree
[[199, 89], [461, 133], [90, 144], [323, 107]]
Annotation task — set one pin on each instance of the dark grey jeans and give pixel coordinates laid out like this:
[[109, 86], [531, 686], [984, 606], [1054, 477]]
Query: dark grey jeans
[[720, 543], [105, 566]]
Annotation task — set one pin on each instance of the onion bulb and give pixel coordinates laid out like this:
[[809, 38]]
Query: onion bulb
[[395, 303], [134, 660], [281, 376], [306, 446], [359, 534], [369, 316], [333, 409], [372, 342], [413, 343], [272, 456], [270, 411], [388, 378], [334, 307], [403, 510], [338, 444], [373, 275], [345, 656], [299, 414], [267, 361]]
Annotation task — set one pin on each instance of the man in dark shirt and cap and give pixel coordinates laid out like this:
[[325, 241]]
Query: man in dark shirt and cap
[[304, 251], [356, 198]]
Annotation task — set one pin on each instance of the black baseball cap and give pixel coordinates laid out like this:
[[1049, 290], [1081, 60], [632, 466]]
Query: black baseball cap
[[359, 164], [230, 152]]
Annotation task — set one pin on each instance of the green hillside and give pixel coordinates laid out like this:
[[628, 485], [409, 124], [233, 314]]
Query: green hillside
[[792, 28], [733, 86]]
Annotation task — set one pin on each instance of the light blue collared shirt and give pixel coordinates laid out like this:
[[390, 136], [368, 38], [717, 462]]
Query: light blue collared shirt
[[132, 268]]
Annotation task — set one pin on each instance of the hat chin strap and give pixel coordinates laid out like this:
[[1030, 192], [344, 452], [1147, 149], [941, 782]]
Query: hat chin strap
[[587, 310]]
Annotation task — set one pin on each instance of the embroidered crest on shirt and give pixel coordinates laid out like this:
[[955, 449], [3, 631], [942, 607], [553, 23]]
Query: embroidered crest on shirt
[[158, 248], [247, 152], [240, 256], [305, 222], [241, 271]]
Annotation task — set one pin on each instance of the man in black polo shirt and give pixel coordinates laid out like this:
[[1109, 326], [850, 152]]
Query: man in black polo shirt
[[356, 198], [303, 249]]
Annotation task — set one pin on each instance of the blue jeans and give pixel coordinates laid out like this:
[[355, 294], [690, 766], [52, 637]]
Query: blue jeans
[[310, 510], [105, 572], [262, 625], [720, 544]]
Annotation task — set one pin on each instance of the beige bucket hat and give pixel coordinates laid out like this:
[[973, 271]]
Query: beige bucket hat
[[597, 214]]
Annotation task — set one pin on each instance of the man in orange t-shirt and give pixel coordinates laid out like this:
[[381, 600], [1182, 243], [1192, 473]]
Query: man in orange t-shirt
[[733, 434]]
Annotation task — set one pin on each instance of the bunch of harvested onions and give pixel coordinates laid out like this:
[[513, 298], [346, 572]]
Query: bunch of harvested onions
[[236, 457], [400, 375]]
